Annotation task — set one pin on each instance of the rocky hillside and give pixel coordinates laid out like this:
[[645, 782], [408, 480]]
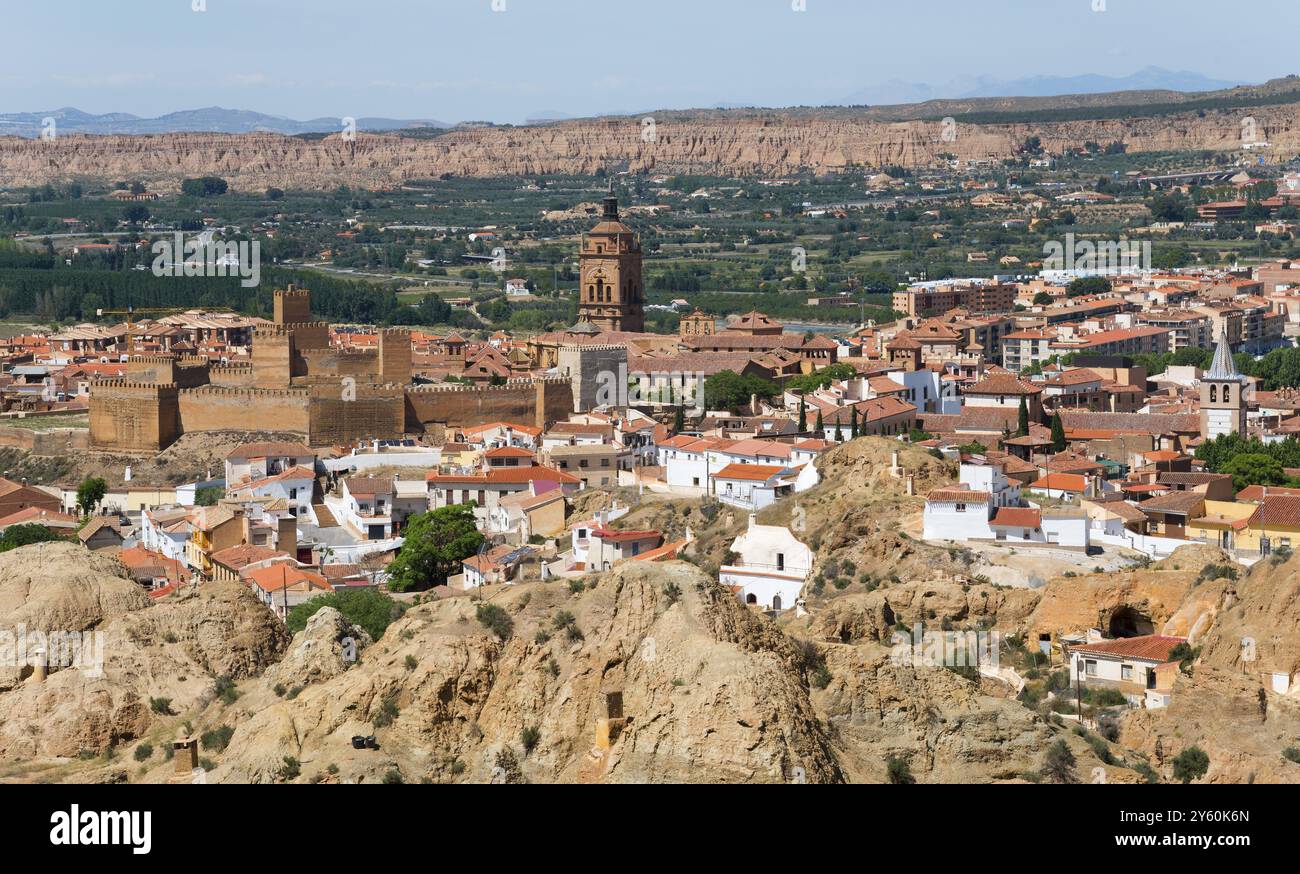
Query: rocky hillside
[[1224, 703], [712, 691], [513, 689], [731, 143], [154, 660]]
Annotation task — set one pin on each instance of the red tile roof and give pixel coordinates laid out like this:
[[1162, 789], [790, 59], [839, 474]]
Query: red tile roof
[[754, 472], [1152, 647], [1065, 482], [1018, 517]]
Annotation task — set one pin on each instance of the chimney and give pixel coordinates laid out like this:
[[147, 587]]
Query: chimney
[[185, 756]]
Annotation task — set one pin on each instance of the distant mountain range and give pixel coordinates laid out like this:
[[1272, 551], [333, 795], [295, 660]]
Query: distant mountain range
[[897, 91], [894, 99], [212, 119]]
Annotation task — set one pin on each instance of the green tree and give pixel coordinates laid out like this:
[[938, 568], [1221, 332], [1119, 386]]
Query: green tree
[[435, 544], [1058, 764], [1022, 420], [20, 535], [803, 415], [679, 419], [90, 493], [728, 390], [1191, 764], [370, 608], [206, 186], [1254, 469], [820, 428], [821, 378], [853, 423], [899, 771], [208, 497], [1058, 433], [1088, 285]]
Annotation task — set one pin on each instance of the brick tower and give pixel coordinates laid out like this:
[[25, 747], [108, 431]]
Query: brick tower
[[611, 296]]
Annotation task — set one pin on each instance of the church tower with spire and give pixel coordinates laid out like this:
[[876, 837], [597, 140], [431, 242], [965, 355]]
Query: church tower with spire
[[611, 295], [1223, 395]]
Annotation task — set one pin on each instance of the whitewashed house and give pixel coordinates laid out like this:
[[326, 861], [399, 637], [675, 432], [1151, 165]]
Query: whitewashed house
[[987, 506], [1139, 667], [292, 485], [166, 530], [772, 567], [686, 461], [753, 486], [367, 506]]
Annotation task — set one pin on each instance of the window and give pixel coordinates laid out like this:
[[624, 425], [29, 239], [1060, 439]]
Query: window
[[1090, 667], [1214, 394], [961, 508], [1126, 672]]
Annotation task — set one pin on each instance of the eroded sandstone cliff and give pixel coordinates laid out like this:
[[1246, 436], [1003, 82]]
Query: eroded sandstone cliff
[[734, 143]]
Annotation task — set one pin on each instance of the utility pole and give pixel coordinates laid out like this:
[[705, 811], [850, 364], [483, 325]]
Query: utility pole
[[1078, 689]]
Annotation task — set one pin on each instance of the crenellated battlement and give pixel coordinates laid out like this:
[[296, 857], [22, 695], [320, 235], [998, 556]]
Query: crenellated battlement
[[288, 329], [127, 385], [592, 347], [245, 391]]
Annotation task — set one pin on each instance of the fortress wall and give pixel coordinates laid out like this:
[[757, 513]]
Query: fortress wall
[[133, 416], [527, 402], [362, 365], [364, 412], [216, 408], [586, 366], [310, 335], [272, 357]]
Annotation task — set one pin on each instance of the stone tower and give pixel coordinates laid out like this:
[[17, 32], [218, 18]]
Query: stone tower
[[611, 296], [1223, 390], [292, 306]]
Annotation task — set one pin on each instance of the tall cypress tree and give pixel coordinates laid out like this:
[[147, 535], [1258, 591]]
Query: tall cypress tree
[[1058, 433], [853, 423], [1023, 430], [803, 415]]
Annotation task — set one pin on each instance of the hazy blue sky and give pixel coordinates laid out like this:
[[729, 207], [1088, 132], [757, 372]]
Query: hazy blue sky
[[457, 59]]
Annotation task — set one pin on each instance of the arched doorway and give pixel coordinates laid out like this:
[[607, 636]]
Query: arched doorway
[[776, 602], [751, 598]]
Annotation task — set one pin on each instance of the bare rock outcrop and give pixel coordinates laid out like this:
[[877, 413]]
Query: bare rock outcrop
[[936, 720], [136, 663], [1141, 600], [871, 615], [712, 693], [325, 648]]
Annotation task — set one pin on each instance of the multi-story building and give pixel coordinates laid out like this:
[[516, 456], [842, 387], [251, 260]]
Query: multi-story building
[[1120, 341], [973, 295], [1188, 329], [1032, 346]]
